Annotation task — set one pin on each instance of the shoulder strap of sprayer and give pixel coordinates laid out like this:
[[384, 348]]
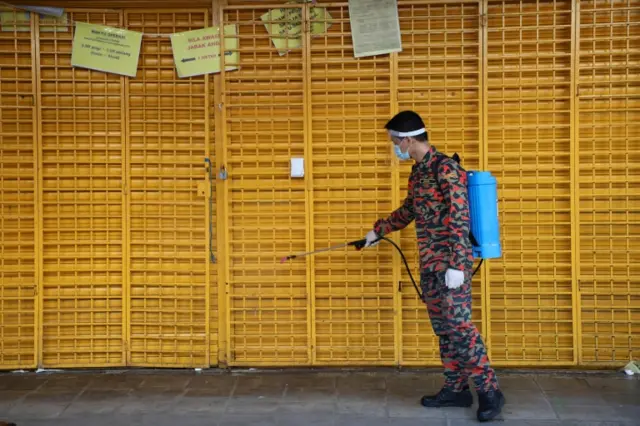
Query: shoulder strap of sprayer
[[435, 167]]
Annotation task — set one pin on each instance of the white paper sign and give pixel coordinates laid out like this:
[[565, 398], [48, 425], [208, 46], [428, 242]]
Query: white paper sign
[[297, 167], [375, 27]]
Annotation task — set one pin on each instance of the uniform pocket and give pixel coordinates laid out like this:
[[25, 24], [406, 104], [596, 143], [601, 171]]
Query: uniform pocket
[[432, 283]]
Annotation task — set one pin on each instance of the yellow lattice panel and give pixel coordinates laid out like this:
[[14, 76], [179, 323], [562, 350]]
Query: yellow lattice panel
[[264, 128], [350, 104], [529, 135], [438, 77], [82, 125], [17, 195], [168, 137], [609, 180]]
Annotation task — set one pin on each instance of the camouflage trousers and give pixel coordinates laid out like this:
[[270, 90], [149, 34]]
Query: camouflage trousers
[[462, 349]]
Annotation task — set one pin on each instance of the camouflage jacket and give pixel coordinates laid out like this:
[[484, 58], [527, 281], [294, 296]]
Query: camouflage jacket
[[441, 212]]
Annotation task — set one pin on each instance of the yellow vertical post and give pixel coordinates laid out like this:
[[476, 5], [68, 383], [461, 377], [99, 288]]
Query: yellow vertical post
[[308, 158], [575, 201], [483, 162], [395, 201], [126, 220], [37, 154], [222, 236], [207, 210]]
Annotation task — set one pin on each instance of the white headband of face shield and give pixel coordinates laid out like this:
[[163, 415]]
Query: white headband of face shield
[[396, 134]]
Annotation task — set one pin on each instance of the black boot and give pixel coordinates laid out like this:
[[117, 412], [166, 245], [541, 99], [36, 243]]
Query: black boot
[[448, 398], [490, 404]]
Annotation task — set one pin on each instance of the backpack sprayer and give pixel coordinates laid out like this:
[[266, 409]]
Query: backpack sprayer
[[484, 224]]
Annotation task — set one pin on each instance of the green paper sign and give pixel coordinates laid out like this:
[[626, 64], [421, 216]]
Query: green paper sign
[[284, 25], [107, 49], [15, 21], [197, 52], [54, 24]]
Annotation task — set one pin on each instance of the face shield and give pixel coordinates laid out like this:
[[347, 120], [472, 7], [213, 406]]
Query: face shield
[[398, 139]]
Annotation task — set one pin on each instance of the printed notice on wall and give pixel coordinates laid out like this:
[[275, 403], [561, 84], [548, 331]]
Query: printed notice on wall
[[198, 52], [285, 26], [107, 49], [21, 22], [15, 21], [54, 24], [375, 27]]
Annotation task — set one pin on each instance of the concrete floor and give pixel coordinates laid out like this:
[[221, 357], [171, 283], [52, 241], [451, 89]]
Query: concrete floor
[[303, 399]]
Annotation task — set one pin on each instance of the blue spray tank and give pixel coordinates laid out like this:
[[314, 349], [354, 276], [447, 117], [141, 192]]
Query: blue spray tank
[[483, 212], [482, 193]]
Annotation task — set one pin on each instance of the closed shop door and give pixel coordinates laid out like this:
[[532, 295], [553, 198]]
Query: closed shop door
[[608, 209], [168, 142], [264, 127], [83, 176], [18, 241], [350, 158], [439, 76], [529, 151]]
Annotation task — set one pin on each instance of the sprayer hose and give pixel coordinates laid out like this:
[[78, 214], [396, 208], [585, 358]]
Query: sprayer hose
[[406, 264]]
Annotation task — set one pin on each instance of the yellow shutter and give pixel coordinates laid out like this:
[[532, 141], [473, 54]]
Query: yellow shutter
[[608, 154], [264, 127], [107, 216], [168, 138], [83, 176], [18, 209]]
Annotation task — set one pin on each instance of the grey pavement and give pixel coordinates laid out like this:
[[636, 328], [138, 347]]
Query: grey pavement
[[304, 398]]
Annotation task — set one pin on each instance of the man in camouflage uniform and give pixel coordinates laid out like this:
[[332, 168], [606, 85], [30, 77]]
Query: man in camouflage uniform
[[437, 201]]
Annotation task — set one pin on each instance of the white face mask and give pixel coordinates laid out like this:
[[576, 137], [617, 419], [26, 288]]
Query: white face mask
[[402, 156]]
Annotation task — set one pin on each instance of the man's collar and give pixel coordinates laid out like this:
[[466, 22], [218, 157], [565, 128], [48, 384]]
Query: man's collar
[[429, 157]]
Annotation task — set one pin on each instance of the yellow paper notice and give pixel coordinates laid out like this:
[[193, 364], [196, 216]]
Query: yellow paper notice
[[107, 49], [321, 20], [375, 27], [285, 26], [20, 22], [198, 52], [54, 24], [15, 21]]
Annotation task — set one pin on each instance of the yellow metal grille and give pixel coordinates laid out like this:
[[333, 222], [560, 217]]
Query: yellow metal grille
[[263, 129], [113, 224], [350, 102], [609, 180], [168, 137], [529, 136], [439, 77], [17, 196], [82, 125]]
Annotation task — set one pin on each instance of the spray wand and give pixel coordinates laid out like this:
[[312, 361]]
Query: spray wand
[[359, 245]]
